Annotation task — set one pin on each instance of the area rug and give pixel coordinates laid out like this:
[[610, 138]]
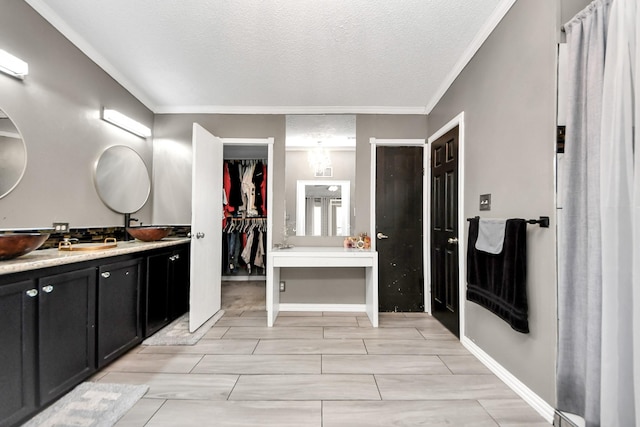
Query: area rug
[[90, 405], [177, 332]]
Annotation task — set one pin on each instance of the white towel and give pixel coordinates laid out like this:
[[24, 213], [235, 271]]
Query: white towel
[[491, 235]]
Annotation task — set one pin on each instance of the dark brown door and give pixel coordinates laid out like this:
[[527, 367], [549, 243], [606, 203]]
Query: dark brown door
[[444, 231], [399, 172]]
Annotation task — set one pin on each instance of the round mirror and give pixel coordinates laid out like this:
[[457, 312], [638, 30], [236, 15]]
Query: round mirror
[[122, 179], [13, 155]]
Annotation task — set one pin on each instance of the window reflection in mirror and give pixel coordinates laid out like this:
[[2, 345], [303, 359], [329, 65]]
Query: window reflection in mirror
[[320, 153], [320, 209]]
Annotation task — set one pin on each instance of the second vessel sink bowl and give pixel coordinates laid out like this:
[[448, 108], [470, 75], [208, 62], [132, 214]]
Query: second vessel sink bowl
[[149, 233], [13, 245]]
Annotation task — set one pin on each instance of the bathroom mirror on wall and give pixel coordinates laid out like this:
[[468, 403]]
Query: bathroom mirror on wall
[[13, 155], [320, 175], [122, 179]]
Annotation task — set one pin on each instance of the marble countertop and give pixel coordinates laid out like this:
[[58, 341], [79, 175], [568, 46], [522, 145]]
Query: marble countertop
[[53, 257]]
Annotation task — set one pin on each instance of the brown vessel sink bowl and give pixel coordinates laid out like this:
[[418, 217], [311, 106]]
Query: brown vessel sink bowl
[[13, 245], [149, 233]]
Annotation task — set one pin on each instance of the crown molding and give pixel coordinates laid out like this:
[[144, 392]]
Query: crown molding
[[226, 109], [471, 50], [49, 15]]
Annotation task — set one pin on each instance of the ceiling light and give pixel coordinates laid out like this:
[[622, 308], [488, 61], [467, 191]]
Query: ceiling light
[[12, 65], [118, 119], [318, 158]]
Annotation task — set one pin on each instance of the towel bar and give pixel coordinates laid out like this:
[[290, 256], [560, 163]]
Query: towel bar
[[543, 221]]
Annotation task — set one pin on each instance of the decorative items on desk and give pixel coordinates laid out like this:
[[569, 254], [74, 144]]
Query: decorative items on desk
[[361, 241]]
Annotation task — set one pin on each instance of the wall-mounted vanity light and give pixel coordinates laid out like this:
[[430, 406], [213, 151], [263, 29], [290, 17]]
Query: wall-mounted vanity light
[[118, 119], [13, 66]]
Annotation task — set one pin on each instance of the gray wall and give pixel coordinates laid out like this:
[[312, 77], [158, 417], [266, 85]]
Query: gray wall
[[569, 8], [508, 95], [56, 108], [172, 159], [172, 179]]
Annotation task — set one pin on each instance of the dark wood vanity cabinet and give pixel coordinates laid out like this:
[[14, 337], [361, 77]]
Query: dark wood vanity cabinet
[[47, 331], [167, 288], [59, 324], [18, 308], [66, 329], [119, 324], [179, 270]]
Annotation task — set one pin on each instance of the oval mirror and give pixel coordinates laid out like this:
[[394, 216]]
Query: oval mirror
[[122, 180], [13, 155]]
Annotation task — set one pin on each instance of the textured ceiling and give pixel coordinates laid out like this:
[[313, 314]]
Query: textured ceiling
[[279, 56]]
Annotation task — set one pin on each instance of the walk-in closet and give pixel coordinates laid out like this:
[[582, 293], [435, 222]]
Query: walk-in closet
[[245, 226]]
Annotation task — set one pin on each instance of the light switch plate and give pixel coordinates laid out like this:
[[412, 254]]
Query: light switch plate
[[485, 202]]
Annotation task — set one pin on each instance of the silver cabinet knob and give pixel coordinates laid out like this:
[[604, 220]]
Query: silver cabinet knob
[[106, 274], [177, 256], [452, 240], [32, 292], [199, 235], [381, 236], [48, 289]]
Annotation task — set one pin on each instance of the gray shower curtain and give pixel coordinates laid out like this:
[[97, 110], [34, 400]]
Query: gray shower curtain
[[580, 267]]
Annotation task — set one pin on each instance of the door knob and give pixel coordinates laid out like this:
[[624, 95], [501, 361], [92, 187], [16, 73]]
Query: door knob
[[453, 240], [381, 236], [199, 235]]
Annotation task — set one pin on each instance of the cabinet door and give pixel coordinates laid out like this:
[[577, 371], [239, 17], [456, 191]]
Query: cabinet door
[[118, 309], [157, 293], [17, 350], [67, 331], [179, 274]]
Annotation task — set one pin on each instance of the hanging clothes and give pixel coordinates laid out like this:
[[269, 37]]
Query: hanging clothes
[[235, 187], [258, 178], [249, 190], [245, 188], [244, 243]]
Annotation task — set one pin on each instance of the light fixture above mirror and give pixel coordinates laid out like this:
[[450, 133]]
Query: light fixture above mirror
[[118, 119], [12, 65]]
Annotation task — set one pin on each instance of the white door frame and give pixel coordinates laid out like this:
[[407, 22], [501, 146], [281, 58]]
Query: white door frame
[[462, 222], [425, 192]]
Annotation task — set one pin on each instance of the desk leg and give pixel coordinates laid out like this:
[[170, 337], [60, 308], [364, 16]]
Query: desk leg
[[371, 292], [273, 294]]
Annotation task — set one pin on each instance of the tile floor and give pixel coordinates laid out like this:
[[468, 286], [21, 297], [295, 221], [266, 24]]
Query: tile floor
[[318, 369]]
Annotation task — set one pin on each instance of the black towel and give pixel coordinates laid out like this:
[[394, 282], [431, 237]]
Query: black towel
[[498, 282]]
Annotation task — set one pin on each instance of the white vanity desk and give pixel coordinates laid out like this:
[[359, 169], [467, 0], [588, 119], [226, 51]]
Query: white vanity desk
[[322, 257]]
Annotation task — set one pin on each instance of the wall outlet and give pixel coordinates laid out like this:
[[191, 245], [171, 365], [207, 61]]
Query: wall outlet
[[282, 286], [60, 227]]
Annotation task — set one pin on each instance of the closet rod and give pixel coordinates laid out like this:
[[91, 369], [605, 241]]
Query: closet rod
[[543, 221], [249, 218]]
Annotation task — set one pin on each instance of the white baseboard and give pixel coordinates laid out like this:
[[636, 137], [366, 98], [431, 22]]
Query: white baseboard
[[243, 278], [323, 307], [535, 401]]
